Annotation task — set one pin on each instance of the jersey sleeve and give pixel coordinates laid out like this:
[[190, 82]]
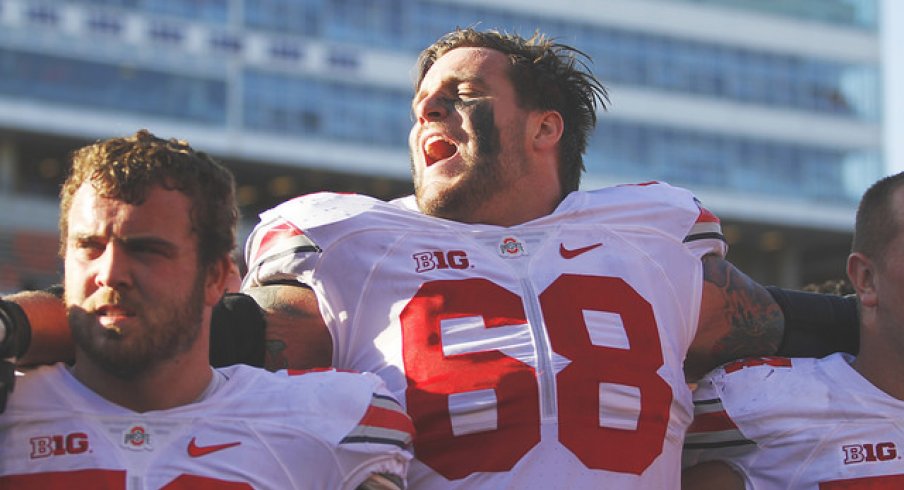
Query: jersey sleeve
[[737, 409], [713, 434], [278, 252], [672, 210], [705, 236], [282, 248], [370, 430]]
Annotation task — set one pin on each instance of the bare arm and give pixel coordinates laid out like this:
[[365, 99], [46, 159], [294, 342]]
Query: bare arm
[[712, 475], [50, 338], [738, 318], [297, 337]]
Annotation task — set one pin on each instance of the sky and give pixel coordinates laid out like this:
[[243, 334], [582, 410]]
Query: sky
[[892, 20]]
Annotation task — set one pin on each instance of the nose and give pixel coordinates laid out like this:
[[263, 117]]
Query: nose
[[112, 269], [431, 108]]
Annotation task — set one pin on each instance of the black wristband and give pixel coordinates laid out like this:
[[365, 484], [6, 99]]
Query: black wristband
[[817, 324], [18, 330], [237, 328]]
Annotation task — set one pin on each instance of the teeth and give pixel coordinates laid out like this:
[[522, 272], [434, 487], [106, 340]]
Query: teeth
[[437, 148]]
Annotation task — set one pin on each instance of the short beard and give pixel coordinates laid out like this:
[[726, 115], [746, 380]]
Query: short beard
[[163, 337], [481, 182]]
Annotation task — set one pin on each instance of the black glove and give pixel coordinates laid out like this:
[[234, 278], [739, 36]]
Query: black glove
[[237, 328], [15, 335], [7, 381]]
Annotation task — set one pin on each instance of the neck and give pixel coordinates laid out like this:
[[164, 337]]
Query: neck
[[528, 201], [169, 384], [500, 216], [880, 362]]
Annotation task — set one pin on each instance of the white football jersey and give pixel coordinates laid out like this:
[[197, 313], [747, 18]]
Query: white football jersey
[[544, 355], [259, 430], [807, 424]]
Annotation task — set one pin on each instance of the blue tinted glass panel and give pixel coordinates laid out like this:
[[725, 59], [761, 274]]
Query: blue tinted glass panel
[[107, 86], [636, 152], [297, 17], [213, 11], [859, 13], [621, 57], [315, 108]]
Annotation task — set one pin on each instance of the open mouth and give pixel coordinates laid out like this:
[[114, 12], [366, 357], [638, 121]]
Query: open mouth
[[437, 149], [109, 316]]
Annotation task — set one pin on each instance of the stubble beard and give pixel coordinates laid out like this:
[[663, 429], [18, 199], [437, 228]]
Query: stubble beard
[[165, 332]]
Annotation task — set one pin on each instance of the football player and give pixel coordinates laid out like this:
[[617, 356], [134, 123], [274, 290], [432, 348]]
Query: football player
[[147, 226], [820, 424], [538, 335]]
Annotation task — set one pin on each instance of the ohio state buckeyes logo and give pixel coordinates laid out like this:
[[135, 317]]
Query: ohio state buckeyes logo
[[136, 437], [511, 247], [439, 259]]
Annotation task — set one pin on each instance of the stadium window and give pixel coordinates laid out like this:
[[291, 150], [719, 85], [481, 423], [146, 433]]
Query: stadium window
[[43, 14], [226, 42], [167, 33], [104, 24]]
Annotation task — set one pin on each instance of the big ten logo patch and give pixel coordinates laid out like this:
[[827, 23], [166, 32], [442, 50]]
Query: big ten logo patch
[[869, 453], [59, 445], [439, 259]]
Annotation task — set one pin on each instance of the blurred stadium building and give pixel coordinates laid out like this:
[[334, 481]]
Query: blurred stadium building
[[768, 109]]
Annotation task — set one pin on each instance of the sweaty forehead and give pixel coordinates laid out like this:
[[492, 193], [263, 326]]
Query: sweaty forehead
[[468, 63], [163, 212], [481, 66]]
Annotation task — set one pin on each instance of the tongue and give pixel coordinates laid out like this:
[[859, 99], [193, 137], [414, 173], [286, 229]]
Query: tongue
[[440, 150]]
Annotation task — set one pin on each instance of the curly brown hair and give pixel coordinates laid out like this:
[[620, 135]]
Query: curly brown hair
[[127, 168], [547, 75]]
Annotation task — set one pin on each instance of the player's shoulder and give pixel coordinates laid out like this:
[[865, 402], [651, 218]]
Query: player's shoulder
[[754, 400], [759, 385], [653, 191], [291, 236], [378, 416], [649, 198], [647, 206], [312, 383], [758, 370], [332, 381], [40, 389], [344, 405], [323, 208]]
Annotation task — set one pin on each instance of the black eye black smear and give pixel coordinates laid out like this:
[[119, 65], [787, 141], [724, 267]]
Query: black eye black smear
[[484, 122]]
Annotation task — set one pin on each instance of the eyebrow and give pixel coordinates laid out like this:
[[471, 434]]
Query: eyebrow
[[139, 241], [477, 80]]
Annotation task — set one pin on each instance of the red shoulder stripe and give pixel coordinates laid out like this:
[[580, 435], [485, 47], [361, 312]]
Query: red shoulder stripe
[[282, 230], [711, 422]]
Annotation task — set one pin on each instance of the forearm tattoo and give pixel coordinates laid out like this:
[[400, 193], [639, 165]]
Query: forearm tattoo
[[753, 322], [276, 305]]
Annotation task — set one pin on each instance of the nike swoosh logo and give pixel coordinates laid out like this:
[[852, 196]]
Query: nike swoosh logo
[[197, 451], [570, 254]]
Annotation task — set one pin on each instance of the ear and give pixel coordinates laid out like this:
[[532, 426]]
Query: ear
[[861, 271], [220, 274], [546, 129]]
